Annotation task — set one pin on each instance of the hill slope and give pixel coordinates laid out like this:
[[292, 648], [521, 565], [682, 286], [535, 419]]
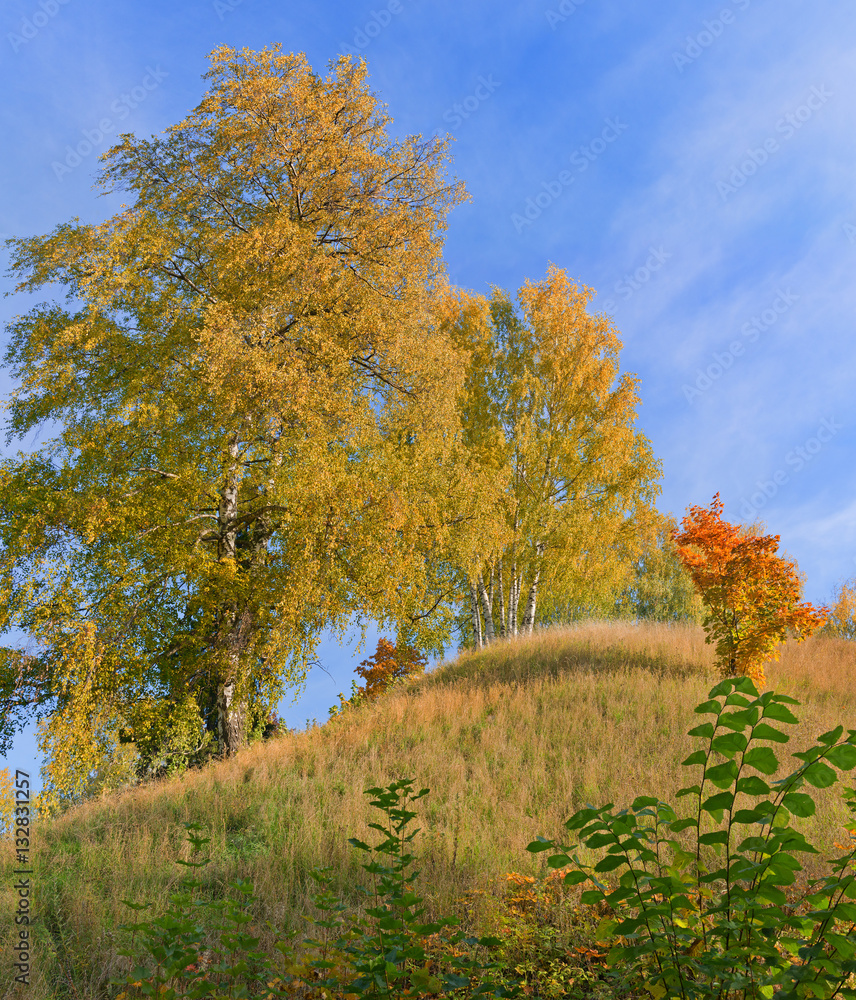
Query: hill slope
[[511, 741]]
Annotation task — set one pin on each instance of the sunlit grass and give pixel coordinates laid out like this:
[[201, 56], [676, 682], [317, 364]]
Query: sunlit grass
[[510, 741]]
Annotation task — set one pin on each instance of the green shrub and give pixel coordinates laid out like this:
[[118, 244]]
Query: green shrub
[[691, 931], [176, 940]]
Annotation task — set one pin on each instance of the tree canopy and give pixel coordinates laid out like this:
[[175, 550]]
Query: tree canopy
[[277, 418], [548, 412], [258, 416]]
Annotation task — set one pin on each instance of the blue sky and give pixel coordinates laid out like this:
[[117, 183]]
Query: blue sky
[[691, 162]]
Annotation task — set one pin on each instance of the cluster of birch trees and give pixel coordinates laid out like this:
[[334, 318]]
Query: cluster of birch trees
[[279, 418]]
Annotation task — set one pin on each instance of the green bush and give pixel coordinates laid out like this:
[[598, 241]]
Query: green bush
[[691, 931], [176, 940]]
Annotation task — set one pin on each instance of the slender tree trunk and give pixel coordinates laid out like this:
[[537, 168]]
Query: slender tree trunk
[[514, 585], [531, 604], [477, 629], [528, 625], [231, 713], [487, 610], [503, 631], [514, 600]]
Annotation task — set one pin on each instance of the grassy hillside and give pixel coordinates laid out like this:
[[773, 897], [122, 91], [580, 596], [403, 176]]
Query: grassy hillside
[[510, 741]]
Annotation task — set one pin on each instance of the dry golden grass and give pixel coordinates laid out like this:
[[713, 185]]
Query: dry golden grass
[[511, 741]]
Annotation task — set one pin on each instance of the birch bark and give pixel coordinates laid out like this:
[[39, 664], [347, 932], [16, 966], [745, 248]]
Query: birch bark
[[528, 623], [477, 629], [231, 712], [487, 610]]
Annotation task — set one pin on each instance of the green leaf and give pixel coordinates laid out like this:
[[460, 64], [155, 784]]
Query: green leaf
[[746, 686], [610, 863], [738, 721], [643, 802], [755, 844], [748, 816], [843, 945], [705, 730], [764, 732], [575, 878], [843, 756], [832, 737], [729, 744], [780, 713], [717, 837], [697, 757], [592, 896], [763, 759], [791, 840], [723, 800], [820, 775], [541, 844], [808, 755], [689, 790], [798, 803], [665, 813], [731, 684], [708, 708], [752, 785], [736, 699], [722, 775], [558, 860], [770, 894], [600, 840], [783, 699], [579, 820], [815, 988], [683, 824], [619, 895]]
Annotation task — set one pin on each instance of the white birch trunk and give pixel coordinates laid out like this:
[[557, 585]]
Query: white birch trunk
[[487, 611], [528, 624], [477, 629], [503, 631], [513, 585], [514, 600], [231, 714]]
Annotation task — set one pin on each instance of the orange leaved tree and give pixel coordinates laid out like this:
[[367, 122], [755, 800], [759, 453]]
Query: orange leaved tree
[[750, 594], [388, 662]]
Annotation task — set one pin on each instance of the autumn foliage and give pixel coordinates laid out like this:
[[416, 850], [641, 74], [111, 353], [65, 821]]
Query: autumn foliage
[[388, 662], [750, 594], [842, 612]]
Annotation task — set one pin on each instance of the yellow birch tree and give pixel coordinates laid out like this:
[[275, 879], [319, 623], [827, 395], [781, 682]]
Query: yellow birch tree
[[547, 411], [258, 412]]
